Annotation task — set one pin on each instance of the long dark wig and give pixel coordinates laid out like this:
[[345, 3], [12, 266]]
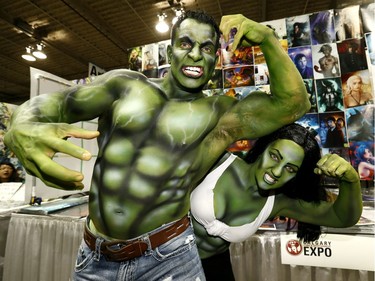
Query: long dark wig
[[306, 185]]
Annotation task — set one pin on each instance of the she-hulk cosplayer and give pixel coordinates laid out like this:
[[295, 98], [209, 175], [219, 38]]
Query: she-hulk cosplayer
[[280, 176], [157, 139]]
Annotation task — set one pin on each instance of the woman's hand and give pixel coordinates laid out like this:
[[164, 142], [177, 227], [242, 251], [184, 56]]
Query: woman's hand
[[335, 166]]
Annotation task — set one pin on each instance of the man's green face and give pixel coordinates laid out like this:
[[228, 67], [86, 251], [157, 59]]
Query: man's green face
[[193, 54], [278, 164]]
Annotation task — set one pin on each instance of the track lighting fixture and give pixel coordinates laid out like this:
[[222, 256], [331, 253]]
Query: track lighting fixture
[[178, 11], [177, 8], [162, 26], [28, 56], [39, 51], [32, 54]]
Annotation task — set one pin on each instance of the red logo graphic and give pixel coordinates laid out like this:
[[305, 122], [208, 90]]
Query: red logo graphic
[[294, 247]]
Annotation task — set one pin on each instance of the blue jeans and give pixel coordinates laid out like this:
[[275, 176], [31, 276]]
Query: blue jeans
[[175, 260]]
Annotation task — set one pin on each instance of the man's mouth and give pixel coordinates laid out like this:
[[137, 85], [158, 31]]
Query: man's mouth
[[193, 71], [269, 179]]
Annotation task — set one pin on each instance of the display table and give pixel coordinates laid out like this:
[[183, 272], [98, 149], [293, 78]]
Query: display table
[[4, 224], [43, 248]]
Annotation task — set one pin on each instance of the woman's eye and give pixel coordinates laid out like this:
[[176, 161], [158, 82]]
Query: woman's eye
[[290, 169], [274, 157]]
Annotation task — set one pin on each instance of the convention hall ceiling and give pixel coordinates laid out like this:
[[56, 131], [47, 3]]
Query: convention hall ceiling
[[78, 32]]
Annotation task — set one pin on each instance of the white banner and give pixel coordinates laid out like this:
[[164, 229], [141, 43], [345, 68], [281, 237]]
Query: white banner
[[95, 70], [331, 250], [12, 191]]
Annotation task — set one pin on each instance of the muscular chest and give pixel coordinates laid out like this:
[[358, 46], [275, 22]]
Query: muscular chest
[[184, 123], [145, 109], [138, 108]]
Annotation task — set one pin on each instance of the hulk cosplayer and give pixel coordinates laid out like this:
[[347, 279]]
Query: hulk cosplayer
[[157, 139]]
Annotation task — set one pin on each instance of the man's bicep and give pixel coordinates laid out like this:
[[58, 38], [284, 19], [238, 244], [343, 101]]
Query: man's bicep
[[85, 103], [260, 114]]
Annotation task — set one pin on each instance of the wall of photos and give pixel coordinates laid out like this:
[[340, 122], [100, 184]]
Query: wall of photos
[[334, 53]]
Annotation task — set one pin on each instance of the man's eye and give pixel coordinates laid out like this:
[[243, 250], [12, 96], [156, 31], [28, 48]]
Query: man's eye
[[207, 50], [185, 45]]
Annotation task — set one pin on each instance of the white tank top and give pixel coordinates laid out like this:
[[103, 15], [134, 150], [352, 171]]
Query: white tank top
[[202, 208]]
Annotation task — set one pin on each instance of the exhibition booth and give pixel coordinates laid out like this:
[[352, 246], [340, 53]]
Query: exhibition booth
[[40, 241], [34, 241]]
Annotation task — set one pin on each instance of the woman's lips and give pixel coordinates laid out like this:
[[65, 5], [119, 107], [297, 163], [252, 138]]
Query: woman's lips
[[269, 179]]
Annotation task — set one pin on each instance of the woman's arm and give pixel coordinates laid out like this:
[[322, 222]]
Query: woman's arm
[[345, 211]]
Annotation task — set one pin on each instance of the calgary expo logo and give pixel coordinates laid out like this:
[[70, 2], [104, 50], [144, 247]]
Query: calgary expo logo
[[316, 248], [294, 247]]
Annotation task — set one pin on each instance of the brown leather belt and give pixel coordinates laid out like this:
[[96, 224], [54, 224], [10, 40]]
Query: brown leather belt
[[130, 249]]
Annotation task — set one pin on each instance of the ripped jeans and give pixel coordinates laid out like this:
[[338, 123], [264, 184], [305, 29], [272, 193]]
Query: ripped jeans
[[175, 260]]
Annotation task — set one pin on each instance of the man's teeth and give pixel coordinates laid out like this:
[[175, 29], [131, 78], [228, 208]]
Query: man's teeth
[[193, 71], [191, 68], [269, 179]]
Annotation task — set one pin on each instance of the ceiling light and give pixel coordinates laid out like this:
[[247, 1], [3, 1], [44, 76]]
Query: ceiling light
[[28, 55], [179, 12], [39, 51], [162, 26]]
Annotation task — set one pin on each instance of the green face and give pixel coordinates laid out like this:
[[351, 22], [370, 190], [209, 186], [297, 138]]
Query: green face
[[278, 164], [193, 54]]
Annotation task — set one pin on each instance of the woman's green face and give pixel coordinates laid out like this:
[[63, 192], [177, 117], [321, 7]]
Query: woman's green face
[[278, 164]]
